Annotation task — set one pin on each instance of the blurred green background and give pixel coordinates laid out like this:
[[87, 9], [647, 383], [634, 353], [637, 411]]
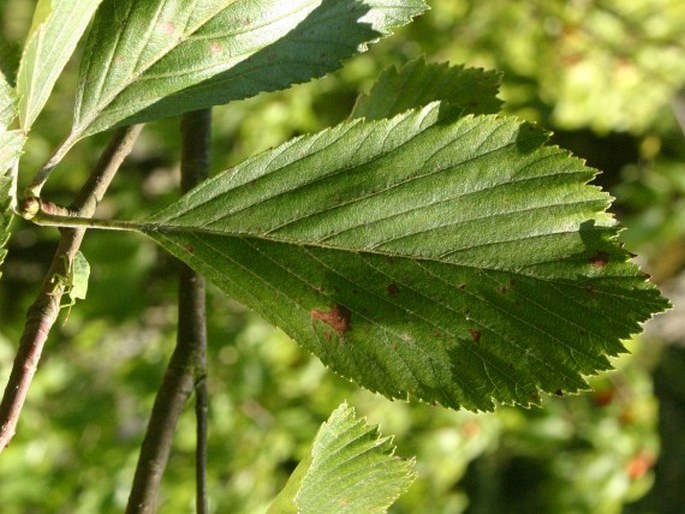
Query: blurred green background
[[605, 75]]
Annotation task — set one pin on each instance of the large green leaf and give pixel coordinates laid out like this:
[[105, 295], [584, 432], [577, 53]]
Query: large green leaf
[[350, 469], [146, 60], [418, 83], [456, 261], [57, 27]]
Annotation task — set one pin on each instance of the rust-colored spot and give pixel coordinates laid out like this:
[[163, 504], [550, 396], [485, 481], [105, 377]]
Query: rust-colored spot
[[393, 290], [394, 347], [337, 317], [168, 27], [215, 47], [600, 260], [503, 290], [389, 259], [475, 334], [437, 334], [188, 248], [461, 286], [327, 336]]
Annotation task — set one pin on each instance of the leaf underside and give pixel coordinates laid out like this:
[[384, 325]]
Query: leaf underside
[[350, 469], [452, 260], [146, 60]]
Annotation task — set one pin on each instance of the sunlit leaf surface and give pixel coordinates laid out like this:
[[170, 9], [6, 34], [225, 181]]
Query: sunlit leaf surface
[[456, 261], [146, 60], [472, 90], [57, 27], [350, 469]]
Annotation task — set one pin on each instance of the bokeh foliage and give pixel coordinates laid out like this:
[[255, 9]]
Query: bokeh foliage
[[607, 66]]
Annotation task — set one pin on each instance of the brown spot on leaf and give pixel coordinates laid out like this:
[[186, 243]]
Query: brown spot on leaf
[[475, 334], [337, 317], [503, 290], [461, 286], [168, 27], [389, 259], [188, 248], [600, 260], [327, 336], [393, 290], [559, 392], [590, 289]]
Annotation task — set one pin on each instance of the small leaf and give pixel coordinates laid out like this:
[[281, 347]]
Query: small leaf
[[417, 84], [80, 273], [56, 29], [451, 260], [351, 469], [145, 60]]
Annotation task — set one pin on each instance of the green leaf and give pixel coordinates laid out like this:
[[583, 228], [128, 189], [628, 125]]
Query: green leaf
[[8, 110], [350, 469], [5, 215], [171, 57], [455, 261], [417, 84], [56, 29], [11, 143]]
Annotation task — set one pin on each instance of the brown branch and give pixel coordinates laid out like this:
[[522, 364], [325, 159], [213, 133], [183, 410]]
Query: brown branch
[[196, 130], [43, 313], [187, 367]]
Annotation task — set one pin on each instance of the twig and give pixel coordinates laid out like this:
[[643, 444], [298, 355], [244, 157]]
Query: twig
[[43, 313], [187, 367], [196, 129]]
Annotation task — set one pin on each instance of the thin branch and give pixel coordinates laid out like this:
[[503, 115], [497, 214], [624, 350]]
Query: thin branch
[[196, 129], [187, 367], [43, 313]]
